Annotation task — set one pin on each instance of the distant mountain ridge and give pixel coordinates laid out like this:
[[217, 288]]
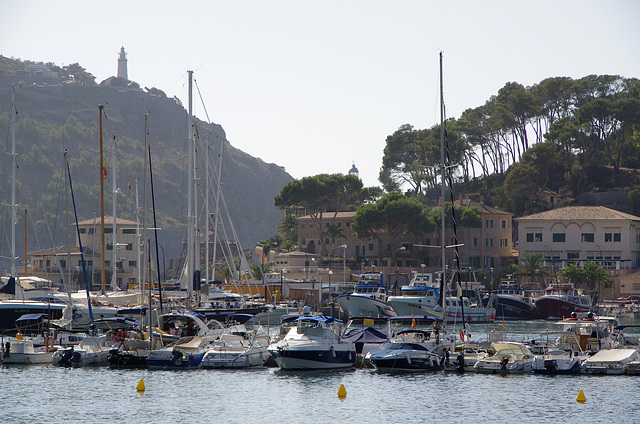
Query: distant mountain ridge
[[54, 116]]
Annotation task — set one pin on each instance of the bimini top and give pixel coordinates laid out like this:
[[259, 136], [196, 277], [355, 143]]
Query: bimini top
[[118, 321]]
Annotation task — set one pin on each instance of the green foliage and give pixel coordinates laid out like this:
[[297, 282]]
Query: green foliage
[[531, 266], [634, 200]]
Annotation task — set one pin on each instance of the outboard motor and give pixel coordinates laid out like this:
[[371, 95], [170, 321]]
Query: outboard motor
[[503, 363], [65, 359], [7, 350], [176, 357], [461, 361]]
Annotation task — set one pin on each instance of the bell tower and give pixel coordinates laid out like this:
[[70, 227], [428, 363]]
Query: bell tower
[[122, 65]]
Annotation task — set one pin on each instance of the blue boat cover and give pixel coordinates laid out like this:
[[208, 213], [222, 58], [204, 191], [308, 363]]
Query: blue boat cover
[[317, 318], [365, 335]]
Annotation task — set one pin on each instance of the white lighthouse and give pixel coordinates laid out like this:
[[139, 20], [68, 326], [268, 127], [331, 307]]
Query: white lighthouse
[[122, 65]]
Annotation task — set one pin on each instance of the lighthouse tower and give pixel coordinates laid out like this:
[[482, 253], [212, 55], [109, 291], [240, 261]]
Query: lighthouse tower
[[122, 65]]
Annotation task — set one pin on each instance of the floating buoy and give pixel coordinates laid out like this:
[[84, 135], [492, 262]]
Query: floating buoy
[[342, 392], [140, 386], [581, 398]]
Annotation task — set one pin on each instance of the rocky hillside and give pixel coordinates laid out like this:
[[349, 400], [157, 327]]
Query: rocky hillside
[[54, 116]]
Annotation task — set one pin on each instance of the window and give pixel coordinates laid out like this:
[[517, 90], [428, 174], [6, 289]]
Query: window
[[109, 246], [503, 242], [558, 237], [573, 255], [488, 242], [128, 231], [587, 237], [129, 246], [489, 223], [504, 223], [83, 230], [348, 224], [370, 247], [529, 237], [617, 237], [475, 241], [108, 230], [636, 286], [90, 230], [63, 263], [538, 236]]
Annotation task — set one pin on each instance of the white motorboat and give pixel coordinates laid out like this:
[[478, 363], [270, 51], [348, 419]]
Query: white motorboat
[[611, 361], [368, 299], [186, 353], [241, 345], [22, 351], [417, 343], [422, 297], [510, 357], [562, 356], [593, 332], [314, 343]]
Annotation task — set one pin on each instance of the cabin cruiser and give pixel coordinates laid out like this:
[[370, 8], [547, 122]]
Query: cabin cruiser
[[417, 343], [510, 357], [593, 332], [561, 299], [368, 299], [240, 345], [512, 302], [313, 343], [422, 297]]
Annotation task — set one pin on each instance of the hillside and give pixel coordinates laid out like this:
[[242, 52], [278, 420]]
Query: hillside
[[53, 116]]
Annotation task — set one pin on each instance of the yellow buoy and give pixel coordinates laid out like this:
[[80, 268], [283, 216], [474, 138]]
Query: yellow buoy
[[581, 398], [342, 392], [140, 386]]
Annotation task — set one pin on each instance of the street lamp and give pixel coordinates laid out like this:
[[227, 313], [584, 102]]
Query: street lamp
[[344, 263]]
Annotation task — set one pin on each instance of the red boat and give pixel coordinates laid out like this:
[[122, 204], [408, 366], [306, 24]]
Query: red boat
[[561, 299]]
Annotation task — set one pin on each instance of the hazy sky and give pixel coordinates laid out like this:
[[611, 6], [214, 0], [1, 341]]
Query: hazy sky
[[315, 86]]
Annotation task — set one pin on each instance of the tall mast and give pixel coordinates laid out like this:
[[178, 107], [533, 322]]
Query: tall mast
[[190, 180], [206, 190], [13, 182], [443, 282], [102, 169], [215, 225], [114, 238], [139, 261]]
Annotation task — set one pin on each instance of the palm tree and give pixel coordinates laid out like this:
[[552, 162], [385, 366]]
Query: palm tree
[[593, 275], [333, 232], [571, 273], [288, 227], [531, 266]]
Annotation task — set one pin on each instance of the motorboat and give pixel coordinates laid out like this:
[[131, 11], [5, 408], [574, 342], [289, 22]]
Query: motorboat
[[560, 299], [23, 351], [422, 297], [116, 333], [611, 361], [416, 343], [513, 302], [464, 357], [368, 299], [241, 345], [593, 332], [185, 353], [366, 332], [11, 310], [510, 357], [313, 343], [563, 355]]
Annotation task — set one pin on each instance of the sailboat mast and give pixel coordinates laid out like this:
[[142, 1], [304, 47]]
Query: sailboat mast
[[206, 224], [114, 251], [190, 179], [13, 182], [102, 259], [139, 260], [443, 281]]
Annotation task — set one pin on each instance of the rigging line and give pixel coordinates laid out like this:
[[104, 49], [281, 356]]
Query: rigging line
[[202, 101], [51, 236]]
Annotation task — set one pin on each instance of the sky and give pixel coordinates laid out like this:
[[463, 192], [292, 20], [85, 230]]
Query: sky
[[316, 87]]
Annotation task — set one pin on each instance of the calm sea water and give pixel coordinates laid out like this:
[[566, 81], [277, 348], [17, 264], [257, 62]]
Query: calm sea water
[[48, 394]]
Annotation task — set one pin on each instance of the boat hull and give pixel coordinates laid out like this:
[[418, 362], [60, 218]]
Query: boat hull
[[556, 308], [406, 361], [170, 360], [225, 359], [318, 357], [473, 314], [355, 305], [509, 308]]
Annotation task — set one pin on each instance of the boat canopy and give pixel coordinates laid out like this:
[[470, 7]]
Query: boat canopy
[[118, 321], [318, 318], [31, 317]]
